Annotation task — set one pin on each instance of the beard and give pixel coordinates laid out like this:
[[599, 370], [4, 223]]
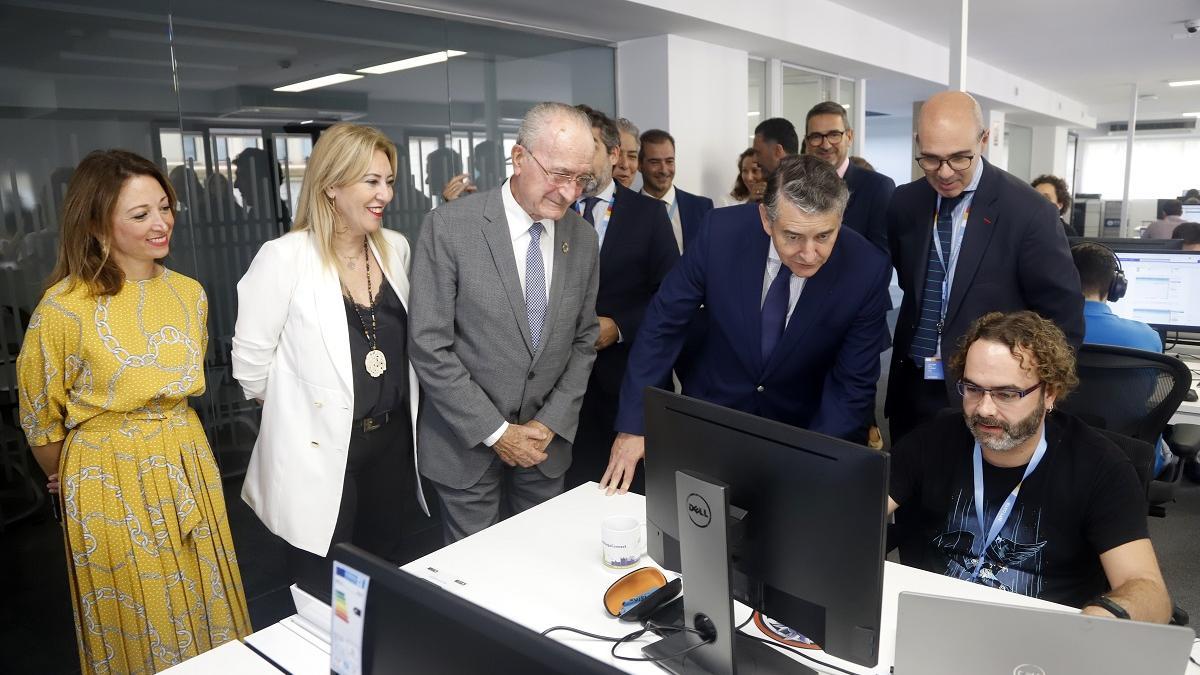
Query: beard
[[1012, 434], [603, 178]]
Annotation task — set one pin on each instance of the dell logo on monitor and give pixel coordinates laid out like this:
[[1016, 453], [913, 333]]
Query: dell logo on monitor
[[1028, 669], [698, 510]]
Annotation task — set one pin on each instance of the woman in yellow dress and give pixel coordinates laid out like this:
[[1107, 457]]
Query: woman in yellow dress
[[113, 351]]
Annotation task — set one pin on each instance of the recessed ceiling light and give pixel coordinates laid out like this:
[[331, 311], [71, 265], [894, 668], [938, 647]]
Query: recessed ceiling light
[[336, 78], [414, 62], [753, 113], [1183, 83], [1192, 114]]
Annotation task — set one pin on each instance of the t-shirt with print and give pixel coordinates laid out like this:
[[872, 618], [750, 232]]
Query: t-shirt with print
[[1083, 499]]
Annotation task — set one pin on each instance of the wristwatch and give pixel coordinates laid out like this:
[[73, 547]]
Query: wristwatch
[[1105, 602]]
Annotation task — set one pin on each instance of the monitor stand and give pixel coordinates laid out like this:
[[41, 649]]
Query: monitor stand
[[707, 603]]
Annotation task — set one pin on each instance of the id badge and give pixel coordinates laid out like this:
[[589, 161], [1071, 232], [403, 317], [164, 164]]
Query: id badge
[[934, 368]]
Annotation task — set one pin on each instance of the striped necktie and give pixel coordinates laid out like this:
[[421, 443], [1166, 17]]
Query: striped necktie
[[535, 285], [925, 339]]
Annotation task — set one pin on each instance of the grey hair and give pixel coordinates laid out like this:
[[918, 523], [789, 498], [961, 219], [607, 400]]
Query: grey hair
[[807, 183], [541, 117], [631, 129]]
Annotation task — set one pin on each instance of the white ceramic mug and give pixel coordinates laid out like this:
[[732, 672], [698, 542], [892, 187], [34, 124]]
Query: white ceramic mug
[[621, 541]]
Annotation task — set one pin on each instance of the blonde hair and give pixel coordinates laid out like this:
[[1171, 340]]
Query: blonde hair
[[341, 157], [85, 234]]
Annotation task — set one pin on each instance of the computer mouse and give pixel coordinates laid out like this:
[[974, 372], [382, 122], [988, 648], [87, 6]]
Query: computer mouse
[[1191, 396]]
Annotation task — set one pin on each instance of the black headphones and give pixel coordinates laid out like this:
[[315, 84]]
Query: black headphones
[[1119, 284]]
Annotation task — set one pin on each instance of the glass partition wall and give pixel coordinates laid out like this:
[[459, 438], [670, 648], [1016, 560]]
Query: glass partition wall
[[222, 95]]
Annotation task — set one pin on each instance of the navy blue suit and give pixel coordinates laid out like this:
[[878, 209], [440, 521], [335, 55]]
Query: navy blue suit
[[1014, 256], [866, 213], [692, 209], [638, 251], [823, 372]]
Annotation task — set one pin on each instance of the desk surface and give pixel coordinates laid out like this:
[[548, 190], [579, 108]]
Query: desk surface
[[542, 568]]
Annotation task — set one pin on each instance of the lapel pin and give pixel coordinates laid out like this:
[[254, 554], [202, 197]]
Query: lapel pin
[[566, 249], [987, 221]]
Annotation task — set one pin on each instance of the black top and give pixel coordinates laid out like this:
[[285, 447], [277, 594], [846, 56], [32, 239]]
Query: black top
[[388, 392], [1083, 499]]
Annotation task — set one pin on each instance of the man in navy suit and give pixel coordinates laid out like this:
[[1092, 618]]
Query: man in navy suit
[[637, 249], [828, 136], [656, 161], [796, 316], [999, 248]]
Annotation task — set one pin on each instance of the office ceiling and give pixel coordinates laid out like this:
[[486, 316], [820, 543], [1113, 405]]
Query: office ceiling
[[1089, 50]]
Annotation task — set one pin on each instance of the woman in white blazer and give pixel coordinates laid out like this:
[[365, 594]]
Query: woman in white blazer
[[321, 340]]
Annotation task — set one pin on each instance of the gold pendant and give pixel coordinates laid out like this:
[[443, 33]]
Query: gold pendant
[[376, 363]]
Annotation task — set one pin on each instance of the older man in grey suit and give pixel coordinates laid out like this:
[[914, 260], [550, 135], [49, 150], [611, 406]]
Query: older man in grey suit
[[503, 327]]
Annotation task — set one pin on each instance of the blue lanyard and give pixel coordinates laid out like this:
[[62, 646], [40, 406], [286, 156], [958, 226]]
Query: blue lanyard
[[1006, 508], [948, 264], [671, 211], [601, 226]]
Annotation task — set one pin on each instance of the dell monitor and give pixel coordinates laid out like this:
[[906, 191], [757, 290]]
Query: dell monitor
[[807, 540], [412, 626], [1163, 289]]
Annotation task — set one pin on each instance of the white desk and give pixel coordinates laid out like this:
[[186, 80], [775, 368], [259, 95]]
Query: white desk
[[542, 568]]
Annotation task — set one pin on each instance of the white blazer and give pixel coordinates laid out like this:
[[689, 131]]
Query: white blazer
[[291, 350]]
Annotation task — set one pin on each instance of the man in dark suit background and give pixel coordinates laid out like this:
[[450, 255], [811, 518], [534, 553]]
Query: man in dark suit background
[[656, 161], [637, 249], [796, 315], [999, 248], [828, 136], [774, 139]]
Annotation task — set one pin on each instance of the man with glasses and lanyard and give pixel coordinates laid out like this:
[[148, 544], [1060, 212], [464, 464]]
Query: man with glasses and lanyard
[[503, 327], [1020, 497], [967, 240]]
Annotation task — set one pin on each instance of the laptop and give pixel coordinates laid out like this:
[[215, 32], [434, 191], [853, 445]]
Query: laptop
[[937, 635]]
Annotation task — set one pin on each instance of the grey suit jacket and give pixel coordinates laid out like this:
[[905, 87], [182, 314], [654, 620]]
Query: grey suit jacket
[[470, 342]]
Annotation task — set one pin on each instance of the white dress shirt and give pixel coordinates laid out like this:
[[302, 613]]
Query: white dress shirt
[[673, 212], [600, 210], [795, 285], [519, 223]]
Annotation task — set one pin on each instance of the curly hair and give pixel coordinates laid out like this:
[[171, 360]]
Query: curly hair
[[1027, 336], [1061, 191]]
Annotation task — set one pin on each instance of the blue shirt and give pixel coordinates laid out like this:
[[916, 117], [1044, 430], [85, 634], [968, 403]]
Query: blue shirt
[[1102, 327]]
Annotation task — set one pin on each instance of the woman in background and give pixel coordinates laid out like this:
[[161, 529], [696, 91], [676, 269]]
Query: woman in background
[[322, 341], [113, 351], [749, 184]]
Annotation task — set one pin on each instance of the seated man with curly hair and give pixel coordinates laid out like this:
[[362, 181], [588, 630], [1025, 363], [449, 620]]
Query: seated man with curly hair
[[1021, 497]]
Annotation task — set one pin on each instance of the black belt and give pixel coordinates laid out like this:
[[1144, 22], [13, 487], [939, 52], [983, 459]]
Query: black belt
[[369, 424]]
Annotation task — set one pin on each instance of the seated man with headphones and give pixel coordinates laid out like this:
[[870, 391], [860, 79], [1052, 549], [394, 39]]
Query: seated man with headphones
[[1102, 280]]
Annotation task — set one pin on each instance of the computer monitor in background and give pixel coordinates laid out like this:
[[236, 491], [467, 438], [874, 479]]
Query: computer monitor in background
[[1131, 244], [1164, 289], [808, 545], [1191, 213], [412, 626]]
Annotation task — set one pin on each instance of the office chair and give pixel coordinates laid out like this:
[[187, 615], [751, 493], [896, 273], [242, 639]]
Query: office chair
[[1134, 393]]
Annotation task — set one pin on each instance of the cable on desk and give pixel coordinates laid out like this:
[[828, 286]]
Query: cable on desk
[[618, 641]]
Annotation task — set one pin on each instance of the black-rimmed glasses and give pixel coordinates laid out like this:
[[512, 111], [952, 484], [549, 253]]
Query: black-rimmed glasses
[[957, 162], [973, 393], [834, 137]]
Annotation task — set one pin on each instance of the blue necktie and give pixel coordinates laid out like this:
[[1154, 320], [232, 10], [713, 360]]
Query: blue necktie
[[925, 339], [774, 311], [535, 285], [589, 207]]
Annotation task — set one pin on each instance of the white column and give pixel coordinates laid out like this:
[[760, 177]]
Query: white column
[[696, 91], [1133, 106], [860, 116], [774, 88], [1049, 151], [958, 45]]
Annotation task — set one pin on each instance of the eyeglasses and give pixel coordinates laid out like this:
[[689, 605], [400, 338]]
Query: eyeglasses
[[561, 179], [957, 162], [834, 137], [973, 393]]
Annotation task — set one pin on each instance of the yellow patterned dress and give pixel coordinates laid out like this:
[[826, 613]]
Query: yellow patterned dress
[[149, 554]]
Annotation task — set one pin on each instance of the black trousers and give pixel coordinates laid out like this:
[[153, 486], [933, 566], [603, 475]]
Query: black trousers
[[379, 503], [915, 400]]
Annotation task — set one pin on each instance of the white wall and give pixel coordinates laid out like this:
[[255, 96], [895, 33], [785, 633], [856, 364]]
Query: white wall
[[697, 92], [889, 147]]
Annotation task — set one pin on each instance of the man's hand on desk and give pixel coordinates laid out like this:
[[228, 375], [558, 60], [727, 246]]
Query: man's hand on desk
[[627, 451], [522, 445]]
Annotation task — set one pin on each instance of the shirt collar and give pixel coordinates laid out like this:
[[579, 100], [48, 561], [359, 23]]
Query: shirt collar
[[1096, 307], [606, 194], [845, 165], [978, 175], [669, 197], [519, 221]]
